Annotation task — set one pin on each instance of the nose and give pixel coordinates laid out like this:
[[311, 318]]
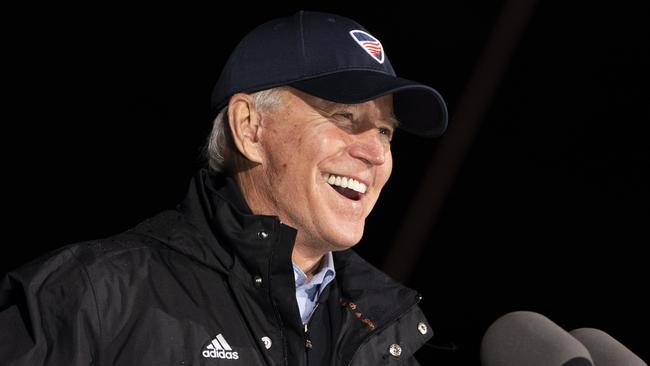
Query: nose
[[369, 147]]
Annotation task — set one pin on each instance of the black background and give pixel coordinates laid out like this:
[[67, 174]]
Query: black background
[[106, 108]]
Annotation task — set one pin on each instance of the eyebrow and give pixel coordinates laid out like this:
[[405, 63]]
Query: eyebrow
[[393, 121]]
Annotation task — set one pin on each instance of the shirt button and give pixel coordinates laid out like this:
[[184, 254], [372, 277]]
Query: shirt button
[[258, 281], [422, 327], [262, 235], [395, 350]]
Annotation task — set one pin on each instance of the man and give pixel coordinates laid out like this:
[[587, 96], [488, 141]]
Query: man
[[254, 266]]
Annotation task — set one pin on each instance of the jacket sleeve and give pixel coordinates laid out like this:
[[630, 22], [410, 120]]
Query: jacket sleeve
[[48, 314]]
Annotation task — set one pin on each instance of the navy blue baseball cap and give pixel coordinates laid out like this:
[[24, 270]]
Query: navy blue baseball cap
[[330, 57]]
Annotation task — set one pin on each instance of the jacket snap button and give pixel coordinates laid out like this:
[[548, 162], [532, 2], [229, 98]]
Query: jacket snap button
[[422, 328], [395, 350], [258, 281], [262, 235]]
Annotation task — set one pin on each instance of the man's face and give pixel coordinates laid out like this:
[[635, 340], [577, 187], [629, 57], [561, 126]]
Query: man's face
[[311, 147]]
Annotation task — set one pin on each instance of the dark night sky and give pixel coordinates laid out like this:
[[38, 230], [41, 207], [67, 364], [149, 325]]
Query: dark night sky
[[549, 212]]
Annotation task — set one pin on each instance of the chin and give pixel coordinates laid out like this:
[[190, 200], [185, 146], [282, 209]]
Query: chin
[[345, 239]]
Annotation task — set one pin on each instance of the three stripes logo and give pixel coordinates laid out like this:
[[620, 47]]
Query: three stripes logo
[[370, 44], [219, 348]]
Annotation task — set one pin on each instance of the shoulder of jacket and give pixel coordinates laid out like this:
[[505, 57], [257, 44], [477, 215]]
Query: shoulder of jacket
[[83, 258], [141, 241]]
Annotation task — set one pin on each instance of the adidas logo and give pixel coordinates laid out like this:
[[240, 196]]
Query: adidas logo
[[219, 348]]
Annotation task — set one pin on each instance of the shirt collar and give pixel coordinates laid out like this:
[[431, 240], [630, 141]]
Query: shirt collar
[[324, 275]]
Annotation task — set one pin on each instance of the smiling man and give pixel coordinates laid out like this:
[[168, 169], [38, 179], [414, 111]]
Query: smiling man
[[254, 267], [319, 166]]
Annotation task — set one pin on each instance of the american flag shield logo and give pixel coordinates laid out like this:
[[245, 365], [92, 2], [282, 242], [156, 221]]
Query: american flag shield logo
[[370, 44]]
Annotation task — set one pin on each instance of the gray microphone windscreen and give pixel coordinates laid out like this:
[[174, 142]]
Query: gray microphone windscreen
[[605, 350], [528, 338]]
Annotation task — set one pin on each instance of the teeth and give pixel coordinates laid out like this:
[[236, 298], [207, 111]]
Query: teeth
[[346, 182]]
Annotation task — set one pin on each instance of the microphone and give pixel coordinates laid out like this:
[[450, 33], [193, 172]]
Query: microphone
[[605, 350], [531, 339]]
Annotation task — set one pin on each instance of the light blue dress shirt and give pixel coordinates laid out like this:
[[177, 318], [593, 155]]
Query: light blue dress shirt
[[307, 293]]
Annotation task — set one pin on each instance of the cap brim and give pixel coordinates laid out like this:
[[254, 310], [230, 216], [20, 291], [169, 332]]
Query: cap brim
[[420, 109]]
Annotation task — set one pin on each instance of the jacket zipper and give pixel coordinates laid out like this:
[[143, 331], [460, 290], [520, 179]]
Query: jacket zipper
[[308, 344], [371, 334]]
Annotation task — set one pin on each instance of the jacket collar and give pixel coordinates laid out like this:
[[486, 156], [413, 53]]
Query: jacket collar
[[216, 206]]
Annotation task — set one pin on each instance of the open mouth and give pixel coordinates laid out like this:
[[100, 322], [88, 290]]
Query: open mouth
[[347, 193], [347, 187]]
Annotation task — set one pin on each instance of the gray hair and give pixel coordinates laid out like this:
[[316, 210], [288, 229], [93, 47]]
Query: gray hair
[[220, 144]]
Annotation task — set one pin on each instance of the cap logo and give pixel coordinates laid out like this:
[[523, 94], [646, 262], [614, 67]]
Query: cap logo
[[369, 44]]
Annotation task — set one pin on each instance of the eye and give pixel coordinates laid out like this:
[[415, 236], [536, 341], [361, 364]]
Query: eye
[[386, 132]]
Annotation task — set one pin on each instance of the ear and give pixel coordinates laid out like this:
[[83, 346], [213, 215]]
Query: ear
[[245, 126]]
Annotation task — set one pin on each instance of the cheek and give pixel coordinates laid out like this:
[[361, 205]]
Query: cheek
[[277, 164], [316, 147], [295, 153]]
